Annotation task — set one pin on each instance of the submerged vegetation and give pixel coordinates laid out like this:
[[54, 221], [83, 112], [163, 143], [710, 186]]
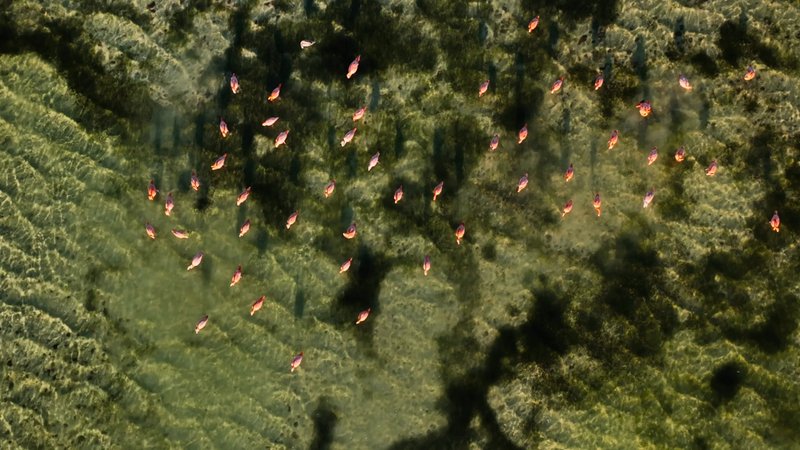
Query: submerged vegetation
[[675, 325]]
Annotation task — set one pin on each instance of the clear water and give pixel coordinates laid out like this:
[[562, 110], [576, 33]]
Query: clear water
[[672, 326]]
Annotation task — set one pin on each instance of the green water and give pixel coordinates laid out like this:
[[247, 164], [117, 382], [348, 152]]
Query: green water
[[673, 326]]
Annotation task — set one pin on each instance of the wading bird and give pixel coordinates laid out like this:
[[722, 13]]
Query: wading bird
[[775, 222], [533, 24], [219, 163], [329, 188], [750, 73], [648, 198], [348, 137], [257, 304], [151, 231], [373, 161], [151, 190], [567, 208], [244, 228], [275, 93], [494, 142], [198, 258], [292, 219], [362, 316], [281, 139], [644, 107], [483, 88], [460, 233], [597, 203], [236, 276], [353, 67], [169, 204], [201, 324], [523, 133], [296, 361], [195, 182], [234, 83], [598, 82], [557, 85], [523, 182], [437, 191], [711, 170], [398, 194], [612, 141], [359, 113], [350, 233], [684, 83], [569, 173], [243, 196], [680, 154], [652, 156]]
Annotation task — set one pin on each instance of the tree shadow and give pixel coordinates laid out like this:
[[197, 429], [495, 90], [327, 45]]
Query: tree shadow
[[726, 381], [366, 276], [325, 420]]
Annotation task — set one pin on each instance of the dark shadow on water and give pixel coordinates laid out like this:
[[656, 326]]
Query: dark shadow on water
[[375, 96], [362, 291], [310, 7], [483, 32], [676, 205], [203, 201], [705, 112], [299, 303], [641, 135], [184, 181], [351, 161], [542, 339], [333, 144], [639, 58], [775, 334], [739, 45], [199, 130], [676, 114], [492, 75], [553, 35], [294, 168], [678, 35], [346, 217], [262, 240], [632, 272], [65, 42], [156, 126], [547, 334], [399, 141], [241, 215], [566, 121], [704, 64], [206, 268], [325, 420], [726, 381]]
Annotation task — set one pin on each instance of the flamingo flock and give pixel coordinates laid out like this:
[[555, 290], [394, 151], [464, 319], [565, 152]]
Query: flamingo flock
[[644, 107]]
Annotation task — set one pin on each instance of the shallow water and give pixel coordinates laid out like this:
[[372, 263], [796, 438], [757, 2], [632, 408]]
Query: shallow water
[[671, 326]]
